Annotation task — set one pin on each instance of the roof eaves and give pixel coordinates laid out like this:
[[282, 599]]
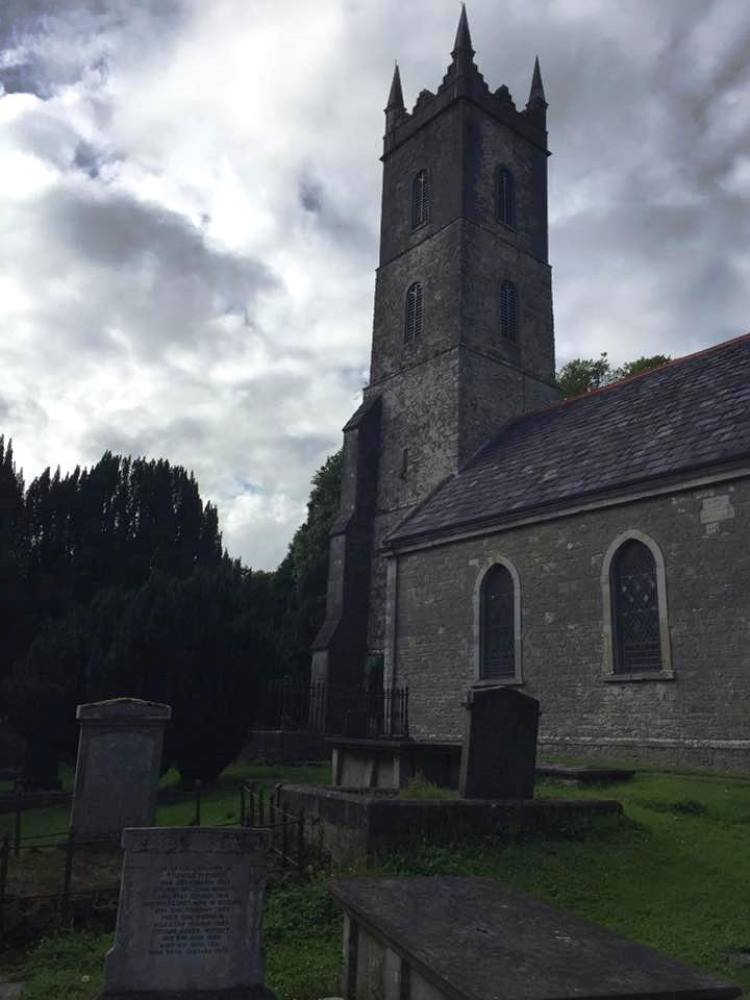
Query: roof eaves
[[545, 511]]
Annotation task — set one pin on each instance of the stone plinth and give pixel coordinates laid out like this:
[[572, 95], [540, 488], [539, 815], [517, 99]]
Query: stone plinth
[[462, 938], [117, 771], [498, 758], [392, 762], [190, 916]]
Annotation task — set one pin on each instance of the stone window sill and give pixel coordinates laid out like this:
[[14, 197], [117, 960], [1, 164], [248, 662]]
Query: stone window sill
[[651, 675], [491, 682]]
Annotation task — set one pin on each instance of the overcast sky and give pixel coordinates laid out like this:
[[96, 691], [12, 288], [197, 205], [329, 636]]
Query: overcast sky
[[189, 210]]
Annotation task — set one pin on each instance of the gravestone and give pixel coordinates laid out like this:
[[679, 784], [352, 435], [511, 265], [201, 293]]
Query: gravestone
[[117, 770], [449, 938], [498, 756], [190, 916]]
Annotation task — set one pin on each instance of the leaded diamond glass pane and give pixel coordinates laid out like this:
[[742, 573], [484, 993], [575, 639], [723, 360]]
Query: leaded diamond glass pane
[[635, 609], [497, 624]]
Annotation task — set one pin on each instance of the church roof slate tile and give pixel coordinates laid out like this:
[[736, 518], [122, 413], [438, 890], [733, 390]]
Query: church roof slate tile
[[688, 414]]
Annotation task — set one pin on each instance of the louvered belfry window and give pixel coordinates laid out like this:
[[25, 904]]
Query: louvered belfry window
[[506, 198], [497, 626], [509, 311], [420, 199], [635, 609], [413, 318]]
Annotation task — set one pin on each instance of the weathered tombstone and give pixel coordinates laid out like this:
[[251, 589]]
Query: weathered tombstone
[[190, 916], [498, 757], [117, 771], [451, 938]]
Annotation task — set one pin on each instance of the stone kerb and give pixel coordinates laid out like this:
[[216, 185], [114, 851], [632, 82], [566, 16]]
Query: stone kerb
[[117, 770], [189, 922]]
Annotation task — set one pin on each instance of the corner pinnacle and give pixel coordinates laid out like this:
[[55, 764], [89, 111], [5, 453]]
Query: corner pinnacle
[[536, 94], [396, 95]]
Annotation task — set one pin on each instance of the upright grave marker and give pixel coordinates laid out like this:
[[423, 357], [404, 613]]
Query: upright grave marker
[[117, 771], [498, 757], [190, 916]]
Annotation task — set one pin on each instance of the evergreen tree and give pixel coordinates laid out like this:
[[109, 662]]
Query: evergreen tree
[[302, 577], [70, 550]]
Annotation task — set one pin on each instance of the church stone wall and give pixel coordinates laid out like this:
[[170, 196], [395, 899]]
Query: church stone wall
[[435, 264], [489, 147], [699, 719], [488, 260], [433, 148]]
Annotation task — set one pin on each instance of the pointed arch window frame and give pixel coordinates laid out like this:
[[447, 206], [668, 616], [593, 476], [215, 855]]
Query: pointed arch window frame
[[413, 312], [505, 196], [609, 666], [420, 205], [508, 680]]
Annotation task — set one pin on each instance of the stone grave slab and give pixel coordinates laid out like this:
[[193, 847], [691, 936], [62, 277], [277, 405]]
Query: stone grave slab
[[117, 769], [498, 756], [450, 938], [190, 916]]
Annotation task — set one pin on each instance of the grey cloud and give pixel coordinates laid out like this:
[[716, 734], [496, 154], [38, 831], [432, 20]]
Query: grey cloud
[[648, 243], [182, 434], [164, 279], [47, 44]]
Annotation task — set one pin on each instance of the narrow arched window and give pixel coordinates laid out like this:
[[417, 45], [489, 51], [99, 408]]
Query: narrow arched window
[[509, 311], [413, 318], [635, 609], [497, 625], [505, 197], [420, 199]]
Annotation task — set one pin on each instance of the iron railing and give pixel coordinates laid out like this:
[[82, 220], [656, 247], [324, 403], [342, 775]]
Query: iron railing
[[353, 711], [285, 704]]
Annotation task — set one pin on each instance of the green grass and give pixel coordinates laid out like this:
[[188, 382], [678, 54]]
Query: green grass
[[675, 875], [302, 935], [66, 967], [420, 788]]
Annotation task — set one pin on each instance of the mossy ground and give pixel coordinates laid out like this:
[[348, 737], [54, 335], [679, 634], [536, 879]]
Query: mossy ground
[[675, 875]]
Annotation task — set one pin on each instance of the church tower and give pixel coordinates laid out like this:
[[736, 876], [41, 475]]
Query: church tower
[[463, 334]]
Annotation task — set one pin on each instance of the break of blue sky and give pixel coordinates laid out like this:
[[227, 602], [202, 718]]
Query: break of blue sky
[[190, 206]]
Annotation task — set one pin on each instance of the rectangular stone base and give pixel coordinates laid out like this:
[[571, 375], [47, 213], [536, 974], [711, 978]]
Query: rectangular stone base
[[352, 826], [256, 993]]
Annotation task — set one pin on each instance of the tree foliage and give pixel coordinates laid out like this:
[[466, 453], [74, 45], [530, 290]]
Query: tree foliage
[[115, 582], [301, 580], [583, 375]]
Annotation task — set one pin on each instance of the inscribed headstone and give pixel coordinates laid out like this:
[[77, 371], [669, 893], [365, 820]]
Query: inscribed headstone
[[190, 915], [117, 771], [498, 756]]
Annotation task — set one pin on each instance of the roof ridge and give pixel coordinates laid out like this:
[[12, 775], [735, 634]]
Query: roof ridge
[[558, 403], [713, 348]]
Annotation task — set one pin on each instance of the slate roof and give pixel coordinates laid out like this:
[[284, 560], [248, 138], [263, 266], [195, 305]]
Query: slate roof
[[689, 414]]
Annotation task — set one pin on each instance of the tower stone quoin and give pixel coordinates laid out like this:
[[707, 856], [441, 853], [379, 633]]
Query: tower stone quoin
[[463, 334]]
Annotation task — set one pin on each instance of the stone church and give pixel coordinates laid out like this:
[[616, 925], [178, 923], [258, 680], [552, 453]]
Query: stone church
[[592, 551]]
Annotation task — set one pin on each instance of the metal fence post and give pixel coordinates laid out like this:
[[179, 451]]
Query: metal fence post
[[4, 856], [17, 823], [68, 877], [261, 807], [252, 804], [300, 839], [242, 804], [198, 802], [284, 837]]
